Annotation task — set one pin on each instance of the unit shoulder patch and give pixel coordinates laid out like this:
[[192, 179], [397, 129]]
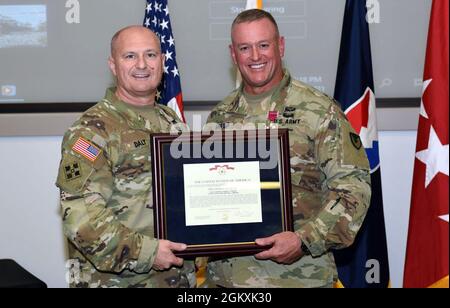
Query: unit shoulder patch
[[72, 171], [356, 141]]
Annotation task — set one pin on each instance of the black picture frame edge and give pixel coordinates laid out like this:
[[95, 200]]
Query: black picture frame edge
[[216, 250]]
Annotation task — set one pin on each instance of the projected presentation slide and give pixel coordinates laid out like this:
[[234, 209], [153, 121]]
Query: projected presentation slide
[[23, 25], [56, 51]]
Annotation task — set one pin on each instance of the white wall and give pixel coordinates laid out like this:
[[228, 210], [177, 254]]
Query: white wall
[[30, 226], [397, 152]]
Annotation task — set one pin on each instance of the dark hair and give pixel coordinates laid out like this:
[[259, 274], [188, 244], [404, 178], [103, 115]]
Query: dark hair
[[254, 15]]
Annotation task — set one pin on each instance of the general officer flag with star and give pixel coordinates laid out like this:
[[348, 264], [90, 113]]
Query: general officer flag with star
[[427, 251]]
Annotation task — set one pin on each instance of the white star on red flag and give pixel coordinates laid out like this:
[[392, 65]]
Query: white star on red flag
[[444, 217], [435, 157]]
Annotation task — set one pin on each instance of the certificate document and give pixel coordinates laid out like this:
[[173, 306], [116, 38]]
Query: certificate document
[[222, 193]]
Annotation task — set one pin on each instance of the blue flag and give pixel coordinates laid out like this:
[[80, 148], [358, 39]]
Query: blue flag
[[365, 263], [157, 19]]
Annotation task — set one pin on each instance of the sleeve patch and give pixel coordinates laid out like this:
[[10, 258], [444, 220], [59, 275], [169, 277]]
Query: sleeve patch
[[72, 171], [73, 174], [86, 149], [356, 141]]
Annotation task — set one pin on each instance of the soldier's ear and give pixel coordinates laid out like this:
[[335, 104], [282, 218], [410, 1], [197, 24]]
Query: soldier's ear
[[281, 46], [163, 60], [112, 65], [233, 53]]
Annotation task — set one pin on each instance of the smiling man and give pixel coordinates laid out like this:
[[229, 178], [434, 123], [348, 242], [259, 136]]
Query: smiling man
[[257, 49], [105, 178], [329, 169], [136, 61]]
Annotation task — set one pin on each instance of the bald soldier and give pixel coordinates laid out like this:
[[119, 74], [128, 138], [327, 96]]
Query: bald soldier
[[105, 177], [329, 169]]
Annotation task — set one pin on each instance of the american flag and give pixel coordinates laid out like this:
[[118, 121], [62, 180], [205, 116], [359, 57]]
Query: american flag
[[87, 149], [157, 19]]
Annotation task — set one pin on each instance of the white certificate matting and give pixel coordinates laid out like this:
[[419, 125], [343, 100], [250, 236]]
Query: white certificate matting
[[222, 193]]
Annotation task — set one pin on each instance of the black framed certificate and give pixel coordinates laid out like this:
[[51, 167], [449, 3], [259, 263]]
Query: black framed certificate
[[220, 191]]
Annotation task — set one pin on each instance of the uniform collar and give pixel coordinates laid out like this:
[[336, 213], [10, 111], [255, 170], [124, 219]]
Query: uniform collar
[[278, 97], [133, 119]]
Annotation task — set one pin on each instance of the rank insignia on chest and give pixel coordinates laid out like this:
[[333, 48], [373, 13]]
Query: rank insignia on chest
[[72, 171]]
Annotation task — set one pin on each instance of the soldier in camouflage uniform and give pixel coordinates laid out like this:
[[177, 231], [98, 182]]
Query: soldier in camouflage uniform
[[329, 168], [105, 178]]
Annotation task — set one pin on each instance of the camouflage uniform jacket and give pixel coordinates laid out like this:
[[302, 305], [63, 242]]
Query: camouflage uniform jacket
[[106, 199], [330, 180]]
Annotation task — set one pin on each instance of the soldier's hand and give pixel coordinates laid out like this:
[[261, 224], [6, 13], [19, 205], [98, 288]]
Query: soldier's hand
[[165, 258], [285, 248]]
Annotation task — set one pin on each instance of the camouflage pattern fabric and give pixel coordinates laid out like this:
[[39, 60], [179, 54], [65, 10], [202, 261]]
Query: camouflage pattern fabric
[[106, 200], [330, 184]]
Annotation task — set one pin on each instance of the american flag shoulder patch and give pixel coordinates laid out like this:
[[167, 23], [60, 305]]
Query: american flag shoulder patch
[[86, 149]]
